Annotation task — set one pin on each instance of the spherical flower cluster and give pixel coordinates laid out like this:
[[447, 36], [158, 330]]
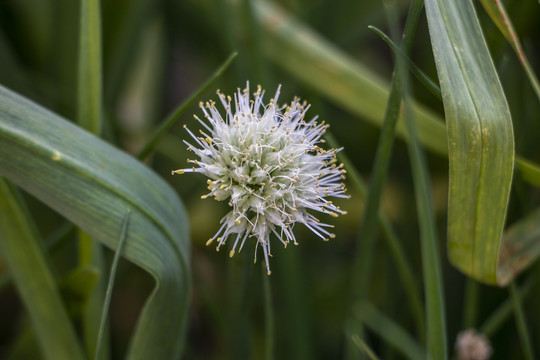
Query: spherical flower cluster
[[265, 160], [471, 345]]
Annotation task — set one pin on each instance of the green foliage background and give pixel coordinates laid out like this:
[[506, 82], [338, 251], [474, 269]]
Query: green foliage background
[[385, 287]]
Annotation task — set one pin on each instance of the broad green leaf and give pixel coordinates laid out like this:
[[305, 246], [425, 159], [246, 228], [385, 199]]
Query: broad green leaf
[[480, 138], [22, 251], [93, 184], [481, 148]]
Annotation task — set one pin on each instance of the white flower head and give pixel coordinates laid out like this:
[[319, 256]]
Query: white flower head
[[266, 162]]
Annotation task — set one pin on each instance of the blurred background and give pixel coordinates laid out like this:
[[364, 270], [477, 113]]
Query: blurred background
[[156, 53]]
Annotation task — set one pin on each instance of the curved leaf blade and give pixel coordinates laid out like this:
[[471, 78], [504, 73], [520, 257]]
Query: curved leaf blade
[[93, 184], [480, 138]]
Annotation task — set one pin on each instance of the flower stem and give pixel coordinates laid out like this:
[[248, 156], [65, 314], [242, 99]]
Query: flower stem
[[268, 317]]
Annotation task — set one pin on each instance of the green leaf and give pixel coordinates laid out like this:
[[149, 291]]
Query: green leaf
[[22, 251], [93, 184], [110, 286], [480, 138]]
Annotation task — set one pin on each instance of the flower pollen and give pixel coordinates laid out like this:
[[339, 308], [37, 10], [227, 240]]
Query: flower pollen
[[266, 162]]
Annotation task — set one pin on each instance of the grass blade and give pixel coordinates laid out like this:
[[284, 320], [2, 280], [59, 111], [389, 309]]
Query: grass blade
[[497, 318], [92, 184], [173, 117], [497, 12], [35, 282], [391, 332], [403, 265], [431, 264], [520, 322], [420, 75], [364, 347], [110, 285]]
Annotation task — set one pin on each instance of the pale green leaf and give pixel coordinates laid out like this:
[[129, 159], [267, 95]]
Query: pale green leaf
[[93, 184], [481, 149]]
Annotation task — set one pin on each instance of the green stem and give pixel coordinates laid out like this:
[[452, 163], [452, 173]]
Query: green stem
[[268, 317], [90, 74], [520, 322]]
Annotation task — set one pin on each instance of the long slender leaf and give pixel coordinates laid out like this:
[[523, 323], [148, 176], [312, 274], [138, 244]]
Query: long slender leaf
[[110, 285], [431, 264], [520, 322], [93, 184], [35, 282], [391, 332], [504, 310], [178, 111], [497, 12], [420, 75], [405, 271]]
